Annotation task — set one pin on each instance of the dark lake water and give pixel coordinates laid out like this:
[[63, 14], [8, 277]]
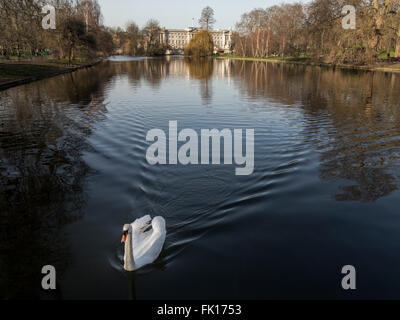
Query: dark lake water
[[324, 192]]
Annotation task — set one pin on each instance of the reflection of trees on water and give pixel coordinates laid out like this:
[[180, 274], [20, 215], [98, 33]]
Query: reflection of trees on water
[[42, 138], [153, 71], [366, 129], [202, 69], [352, 118]]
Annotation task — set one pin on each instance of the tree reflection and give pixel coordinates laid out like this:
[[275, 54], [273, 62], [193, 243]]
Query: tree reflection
[[153, 71], [42, 138], [351, 117], [202, 69]]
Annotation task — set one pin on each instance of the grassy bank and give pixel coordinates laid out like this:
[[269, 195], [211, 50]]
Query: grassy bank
[[14, 73], [379, 66]]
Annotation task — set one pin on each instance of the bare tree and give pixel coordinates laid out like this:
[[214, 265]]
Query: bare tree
[[133, 39], [89, 11], [207, 20], [73, 34], [22, 35], [152, 43], [315, 30]]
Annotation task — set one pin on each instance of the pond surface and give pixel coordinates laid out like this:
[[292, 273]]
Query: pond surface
[[324, 192]]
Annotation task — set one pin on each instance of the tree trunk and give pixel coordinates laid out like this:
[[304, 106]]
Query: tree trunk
[[258, 43], [376, 38], [69, 54], [397, 51], [268, 39], [252, 46], [283, 46]]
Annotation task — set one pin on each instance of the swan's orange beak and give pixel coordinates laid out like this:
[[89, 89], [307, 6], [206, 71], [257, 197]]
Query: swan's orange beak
[[123, 238]]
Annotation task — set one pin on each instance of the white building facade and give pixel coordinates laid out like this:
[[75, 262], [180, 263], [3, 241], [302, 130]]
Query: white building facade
[[177, 39]]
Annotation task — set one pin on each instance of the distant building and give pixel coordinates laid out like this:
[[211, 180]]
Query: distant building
[[177, 39]]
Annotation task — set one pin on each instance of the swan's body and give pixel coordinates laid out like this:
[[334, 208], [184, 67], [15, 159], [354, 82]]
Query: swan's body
[[143, 247]]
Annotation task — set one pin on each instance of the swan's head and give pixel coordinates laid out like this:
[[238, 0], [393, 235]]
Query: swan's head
[[125, 231]]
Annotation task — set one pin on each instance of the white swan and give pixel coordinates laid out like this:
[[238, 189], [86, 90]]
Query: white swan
[[143, 247]]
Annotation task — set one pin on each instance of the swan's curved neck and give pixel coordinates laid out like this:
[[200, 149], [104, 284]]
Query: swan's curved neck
[[128, 258]]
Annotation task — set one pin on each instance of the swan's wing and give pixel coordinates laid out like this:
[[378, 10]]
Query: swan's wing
[[141, 223], [154, 238], [159, 224], [148, 250]]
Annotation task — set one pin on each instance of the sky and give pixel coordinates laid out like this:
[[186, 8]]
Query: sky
[[178, 14]]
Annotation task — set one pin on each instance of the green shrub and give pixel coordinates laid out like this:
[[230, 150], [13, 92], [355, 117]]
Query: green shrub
[[201, 45]]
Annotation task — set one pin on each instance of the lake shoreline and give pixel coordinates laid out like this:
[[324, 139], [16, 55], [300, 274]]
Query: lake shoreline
[[392, 69], [31, 72]]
